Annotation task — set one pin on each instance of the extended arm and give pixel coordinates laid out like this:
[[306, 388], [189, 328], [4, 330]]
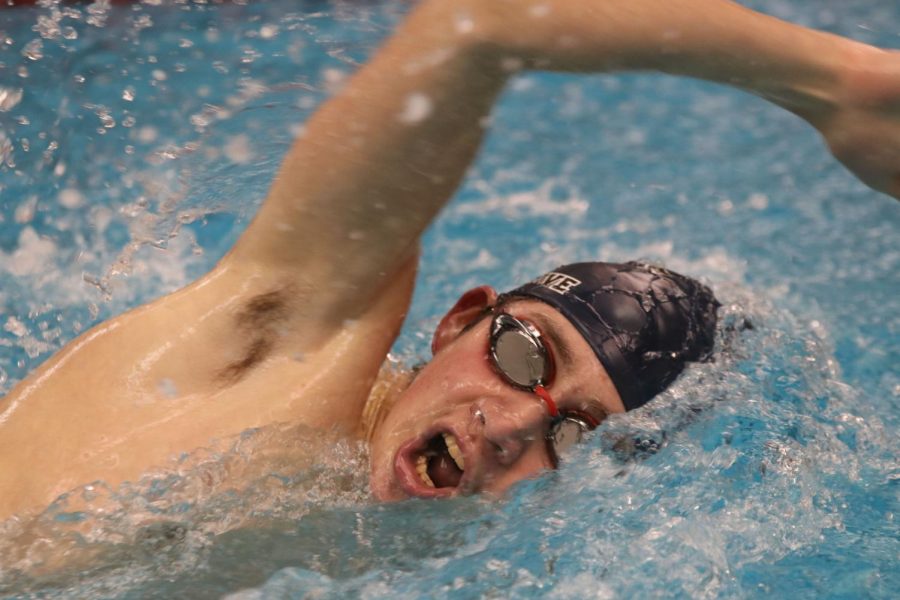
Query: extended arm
[[377, 162]]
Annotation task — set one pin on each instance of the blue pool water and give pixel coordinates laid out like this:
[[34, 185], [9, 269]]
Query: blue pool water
[[137, 141]]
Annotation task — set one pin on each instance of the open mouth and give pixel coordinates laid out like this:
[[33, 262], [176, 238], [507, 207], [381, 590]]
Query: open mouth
[[441, 463], [433, 466]]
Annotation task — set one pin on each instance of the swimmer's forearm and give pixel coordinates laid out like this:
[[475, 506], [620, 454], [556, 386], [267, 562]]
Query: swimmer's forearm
[[716, 40]]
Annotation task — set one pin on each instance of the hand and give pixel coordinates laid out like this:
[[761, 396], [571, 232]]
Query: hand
[[863, 130]]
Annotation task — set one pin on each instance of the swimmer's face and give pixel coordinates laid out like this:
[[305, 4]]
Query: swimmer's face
[[476, 431]]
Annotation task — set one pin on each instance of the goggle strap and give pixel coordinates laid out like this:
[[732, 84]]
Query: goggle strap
[[544, 395]]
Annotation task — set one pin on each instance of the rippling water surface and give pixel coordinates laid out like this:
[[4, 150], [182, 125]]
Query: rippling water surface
[[137, 141]]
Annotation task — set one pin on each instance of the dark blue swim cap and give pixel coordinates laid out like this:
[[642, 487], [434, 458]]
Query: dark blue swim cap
[[643, 322]]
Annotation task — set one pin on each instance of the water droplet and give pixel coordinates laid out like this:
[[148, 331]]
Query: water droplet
[[25, 211], [71, 198], [167, 388], [9, 97], [267, 32], [539, 10], [464, 23], [34, 50], [142, 22], [128, 94], [238, 150], [147, 134], [725, 207], [15, 327], [6, 148], [47, 27], [417, 108], [758, 201]]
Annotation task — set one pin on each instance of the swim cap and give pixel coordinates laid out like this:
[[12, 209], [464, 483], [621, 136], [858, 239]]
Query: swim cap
[[643, 322]]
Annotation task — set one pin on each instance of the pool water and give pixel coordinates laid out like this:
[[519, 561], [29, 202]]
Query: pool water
[[137, 141]]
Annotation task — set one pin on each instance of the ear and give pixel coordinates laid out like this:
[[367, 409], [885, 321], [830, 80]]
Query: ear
[[467, 308]]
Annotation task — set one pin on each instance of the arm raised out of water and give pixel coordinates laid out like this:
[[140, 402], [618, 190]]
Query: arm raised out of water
[[377, 162]]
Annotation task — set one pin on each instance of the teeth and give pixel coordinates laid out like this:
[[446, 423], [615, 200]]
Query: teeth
[[455, 453], [422, 469]]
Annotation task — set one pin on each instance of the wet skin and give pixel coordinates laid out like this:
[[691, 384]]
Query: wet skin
[[500, 430]]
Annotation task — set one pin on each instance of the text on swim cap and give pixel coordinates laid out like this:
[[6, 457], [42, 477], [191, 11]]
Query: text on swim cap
[[558, 282]]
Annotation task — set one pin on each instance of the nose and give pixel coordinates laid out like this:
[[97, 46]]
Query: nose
[[511, 426]]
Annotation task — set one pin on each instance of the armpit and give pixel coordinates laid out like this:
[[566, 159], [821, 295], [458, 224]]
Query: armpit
[[256, 323]]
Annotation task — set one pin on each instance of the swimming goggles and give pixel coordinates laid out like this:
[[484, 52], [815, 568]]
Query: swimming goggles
[[520, 356]]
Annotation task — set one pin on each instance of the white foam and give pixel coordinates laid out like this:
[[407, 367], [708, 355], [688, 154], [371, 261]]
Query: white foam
[[31, 256], [15, 327]]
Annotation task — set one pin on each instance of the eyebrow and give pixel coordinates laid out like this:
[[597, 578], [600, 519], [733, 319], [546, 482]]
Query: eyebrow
[[550, 330]]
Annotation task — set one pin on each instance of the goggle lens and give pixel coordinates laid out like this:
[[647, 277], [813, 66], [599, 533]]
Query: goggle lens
[[520, 358], [566, 433]]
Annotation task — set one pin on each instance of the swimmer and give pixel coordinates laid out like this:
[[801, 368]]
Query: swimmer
[[325, 271]]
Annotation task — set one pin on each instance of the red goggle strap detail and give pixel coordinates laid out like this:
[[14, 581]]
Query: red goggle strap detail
[[589, 419], [544, 395]]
